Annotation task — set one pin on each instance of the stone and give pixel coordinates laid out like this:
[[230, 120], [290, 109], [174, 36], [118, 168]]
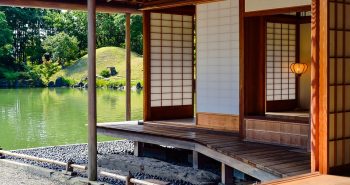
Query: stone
[[60, 82], [51, 84], [139, 86], [113, 71]]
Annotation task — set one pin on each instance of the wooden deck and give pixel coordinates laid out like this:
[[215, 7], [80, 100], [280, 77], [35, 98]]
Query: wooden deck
[[262, 161]]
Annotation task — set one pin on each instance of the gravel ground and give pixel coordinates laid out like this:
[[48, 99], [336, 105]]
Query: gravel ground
[[14, 176], [78, 154]]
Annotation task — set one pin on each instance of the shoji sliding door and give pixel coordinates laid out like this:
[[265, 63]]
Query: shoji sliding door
[[339, 83], [281, 52], [170, 79]]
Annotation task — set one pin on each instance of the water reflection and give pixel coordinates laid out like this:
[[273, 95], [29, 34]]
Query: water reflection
[[42, 117]]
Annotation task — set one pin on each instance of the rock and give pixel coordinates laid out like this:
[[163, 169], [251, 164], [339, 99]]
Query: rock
[[51, 84], [139, 86], [79, 85], [60, 82]]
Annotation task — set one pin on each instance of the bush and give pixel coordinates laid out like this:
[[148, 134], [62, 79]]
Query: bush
[[11, 75], [69, 81], [105, 73]]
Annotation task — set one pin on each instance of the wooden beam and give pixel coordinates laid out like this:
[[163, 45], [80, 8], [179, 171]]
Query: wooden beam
[[92, 112], [162, 4], [128, 66], [107, 7], [304, 8]]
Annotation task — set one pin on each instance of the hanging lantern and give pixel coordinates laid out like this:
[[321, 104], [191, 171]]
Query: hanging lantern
[[298, 68]]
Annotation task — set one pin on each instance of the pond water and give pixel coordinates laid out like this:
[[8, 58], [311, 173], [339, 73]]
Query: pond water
[[46, 117]]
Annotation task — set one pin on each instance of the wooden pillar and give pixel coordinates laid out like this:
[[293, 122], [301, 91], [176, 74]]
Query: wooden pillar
[[128, 66], [241, 69], [195, 161], [138, 148], [226, 174], [92, 135]]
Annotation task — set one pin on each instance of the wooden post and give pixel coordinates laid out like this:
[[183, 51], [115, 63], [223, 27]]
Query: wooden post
[[128, 66], [92, 135], [226, 174], [195, 160], [128, 178], [138, 148]]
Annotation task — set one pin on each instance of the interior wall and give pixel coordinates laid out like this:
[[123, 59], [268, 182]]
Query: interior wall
[[258, 5], [218, 57], [305, 57]]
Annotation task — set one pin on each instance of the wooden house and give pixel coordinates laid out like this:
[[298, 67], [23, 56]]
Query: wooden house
[[218, 81]]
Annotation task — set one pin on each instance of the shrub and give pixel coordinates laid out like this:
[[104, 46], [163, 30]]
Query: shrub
[[11, 75], [105, 73], [69, 81]]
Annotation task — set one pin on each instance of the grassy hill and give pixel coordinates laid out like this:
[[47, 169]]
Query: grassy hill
[[106, 57]]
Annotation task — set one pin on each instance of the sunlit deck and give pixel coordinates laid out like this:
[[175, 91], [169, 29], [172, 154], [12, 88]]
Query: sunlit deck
[[262, 161]]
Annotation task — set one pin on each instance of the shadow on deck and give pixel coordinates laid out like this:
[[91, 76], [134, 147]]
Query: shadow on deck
[[262, 161]]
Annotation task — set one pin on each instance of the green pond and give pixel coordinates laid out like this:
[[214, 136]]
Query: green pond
[[47, 117]]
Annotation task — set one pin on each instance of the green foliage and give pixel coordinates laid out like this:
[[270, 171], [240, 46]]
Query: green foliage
[[105, 73], [47, 70], [69, 81], [63, 47], [5, 37], [10, 75]]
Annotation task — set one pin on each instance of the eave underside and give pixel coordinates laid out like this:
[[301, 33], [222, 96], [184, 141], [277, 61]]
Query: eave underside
[[107, 6]]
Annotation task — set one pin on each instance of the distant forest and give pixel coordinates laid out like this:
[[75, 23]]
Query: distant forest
[[26, 35]]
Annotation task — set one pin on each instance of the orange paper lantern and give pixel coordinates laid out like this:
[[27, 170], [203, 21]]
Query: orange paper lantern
[[298, 68]]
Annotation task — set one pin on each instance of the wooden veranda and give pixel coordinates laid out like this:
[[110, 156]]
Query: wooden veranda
[[262, 161]]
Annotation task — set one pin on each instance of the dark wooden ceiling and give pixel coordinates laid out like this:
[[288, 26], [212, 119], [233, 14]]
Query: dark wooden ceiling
[[122, 6]]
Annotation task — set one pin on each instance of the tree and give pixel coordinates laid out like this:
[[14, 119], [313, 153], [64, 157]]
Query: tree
[[5, 37], [136, 34], [62, 47], [29, 29], [46, 69]]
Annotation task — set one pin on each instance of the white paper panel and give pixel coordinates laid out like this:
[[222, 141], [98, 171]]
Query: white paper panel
[[177, 24], [156, 103], [155, 97], [155, 63], [177, 17], [177, 76], [156, 90], [187, 18], [166, 103], [187, 102], [177, 102], [155, 16]]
